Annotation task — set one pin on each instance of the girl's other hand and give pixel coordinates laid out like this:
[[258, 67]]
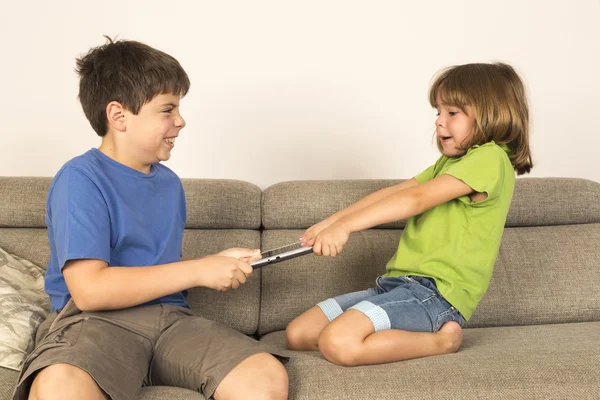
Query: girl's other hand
[[308, 237], [330, 241]]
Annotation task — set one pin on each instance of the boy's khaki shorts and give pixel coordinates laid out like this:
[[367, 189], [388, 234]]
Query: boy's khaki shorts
[[124, 350]]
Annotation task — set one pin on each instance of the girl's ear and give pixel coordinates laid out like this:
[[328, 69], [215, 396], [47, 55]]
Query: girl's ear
[[116, 116]]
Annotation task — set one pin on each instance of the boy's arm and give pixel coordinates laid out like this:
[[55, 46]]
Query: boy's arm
[[399, 205], [95, 286]]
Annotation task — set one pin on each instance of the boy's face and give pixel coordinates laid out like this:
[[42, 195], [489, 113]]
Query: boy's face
[[454, 128], [151, 133]]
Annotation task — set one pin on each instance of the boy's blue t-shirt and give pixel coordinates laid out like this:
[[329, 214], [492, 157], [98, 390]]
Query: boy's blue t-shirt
[[101, 209]]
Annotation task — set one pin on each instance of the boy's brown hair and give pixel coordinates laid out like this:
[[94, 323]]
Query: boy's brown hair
[[497, 97], [128, 72]]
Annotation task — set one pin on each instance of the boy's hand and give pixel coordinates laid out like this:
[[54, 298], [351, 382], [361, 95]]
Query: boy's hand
[[223, 273], [331, 241], [246, 255], [308, 237]]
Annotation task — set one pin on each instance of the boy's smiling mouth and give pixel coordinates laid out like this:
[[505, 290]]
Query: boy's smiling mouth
[[170, 141]]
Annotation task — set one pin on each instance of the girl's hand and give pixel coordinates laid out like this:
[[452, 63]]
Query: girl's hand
[[308, 237], [245, 255], [331, 241]]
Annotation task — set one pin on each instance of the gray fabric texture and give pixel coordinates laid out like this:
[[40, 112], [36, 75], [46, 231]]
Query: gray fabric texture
[[29, 243], [527, 362], [544, 275], [165, 392], [23, 201], [222, 204], [536, 201], [8, 381]]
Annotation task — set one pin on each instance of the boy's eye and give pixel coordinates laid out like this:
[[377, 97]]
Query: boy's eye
[[452, 113], [168, 110]]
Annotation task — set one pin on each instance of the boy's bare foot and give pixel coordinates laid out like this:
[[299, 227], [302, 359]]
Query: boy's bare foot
[[450, 335]]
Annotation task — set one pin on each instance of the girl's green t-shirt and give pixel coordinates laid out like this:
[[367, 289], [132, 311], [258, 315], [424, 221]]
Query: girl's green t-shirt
[[456, 243]]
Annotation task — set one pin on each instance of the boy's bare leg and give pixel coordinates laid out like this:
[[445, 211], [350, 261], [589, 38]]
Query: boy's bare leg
[[65, 382], [260, 376], [351, 340], [304, 331]]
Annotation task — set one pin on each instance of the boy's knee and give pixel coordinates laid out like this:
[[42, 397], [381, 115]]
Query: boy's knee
[[64, 381], [261, 374], [278, 381]]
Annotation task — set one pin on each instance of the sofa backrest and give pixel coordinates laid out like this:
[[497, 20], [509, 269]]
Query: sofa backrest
[[546, 270], [220, 214]]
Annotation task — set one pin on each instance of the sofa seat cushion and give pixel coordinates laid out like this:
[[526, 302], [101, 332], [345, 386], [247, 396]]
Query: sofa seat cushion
[[166, 392], [538, 361]]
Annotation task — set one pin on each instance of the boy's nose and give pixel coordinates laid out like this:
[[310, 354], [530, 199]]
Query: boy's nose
[[180, 122]]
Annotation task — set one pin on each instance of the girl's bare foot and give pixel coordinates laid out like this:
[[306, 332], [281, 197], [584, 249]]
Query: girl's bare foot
[[450, 335]]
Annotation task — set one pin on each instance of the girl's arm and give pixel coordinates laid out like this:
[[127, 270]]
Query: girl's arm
[[366, 201], [398, 205]]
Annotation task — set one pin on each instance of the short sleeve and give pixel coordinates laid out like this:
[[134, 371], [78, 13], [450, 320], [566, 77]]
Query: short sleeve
[[429, 173], [78, 217], [482, 169]]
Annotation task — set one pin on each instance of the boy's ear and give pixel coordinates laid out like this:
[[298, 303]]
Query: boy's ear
[[117, 118]]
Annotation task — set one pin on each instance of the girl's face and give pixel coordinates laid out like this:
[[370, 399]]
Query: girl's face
[[454, 128]]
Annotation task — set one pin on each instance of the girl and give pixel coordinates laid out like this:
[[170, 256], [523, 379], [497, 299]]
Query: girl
[[457, 209]]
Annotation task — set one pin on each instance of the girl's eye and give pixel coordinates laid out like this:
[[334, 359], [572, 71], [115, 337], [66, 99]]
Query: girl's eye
[[453, 113], [168, 111]]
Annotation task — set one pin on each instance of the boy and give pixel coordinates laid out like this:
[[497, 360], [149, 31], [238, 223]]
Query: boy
[[115, 219]]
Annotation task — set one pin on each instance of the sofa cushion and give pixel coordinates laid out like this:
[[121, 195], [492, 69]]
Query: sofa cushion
[[536, 201], [23, 201], [29, 243], [23, 306], [166, 392], [526, 362], [222, 204], [544, 275], [8, 380]]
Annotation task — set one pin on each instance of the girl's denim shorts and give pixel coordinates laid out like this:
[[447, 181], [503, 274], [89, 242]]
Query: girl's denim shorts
[[410, 303]]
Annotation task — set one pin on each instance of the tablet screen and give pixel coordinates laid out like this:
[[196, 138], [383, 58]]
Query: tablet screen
[[280, 250]]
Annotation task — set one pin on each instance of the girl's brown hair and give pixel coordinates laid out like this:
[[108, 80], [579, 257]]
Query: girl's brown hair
[[496, 95]]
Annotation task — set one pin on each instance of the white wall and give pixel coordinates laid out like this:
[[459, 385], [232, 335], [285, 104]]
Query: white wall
[[308, 89]]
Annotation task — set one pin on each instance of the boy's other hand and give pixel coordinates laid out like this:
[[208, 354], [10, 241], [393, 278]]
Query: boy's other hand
[[308, 237], [222, 273], [246, 255], [331, 241]]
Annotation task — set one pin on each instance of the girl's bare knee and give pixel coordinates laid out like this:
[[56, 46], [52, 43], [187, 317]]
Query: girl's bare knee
[[336, 349]]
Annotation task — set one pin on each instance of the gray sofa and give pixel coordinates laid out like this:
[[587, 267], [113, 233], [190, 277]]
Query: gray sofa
[[535, 335]]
